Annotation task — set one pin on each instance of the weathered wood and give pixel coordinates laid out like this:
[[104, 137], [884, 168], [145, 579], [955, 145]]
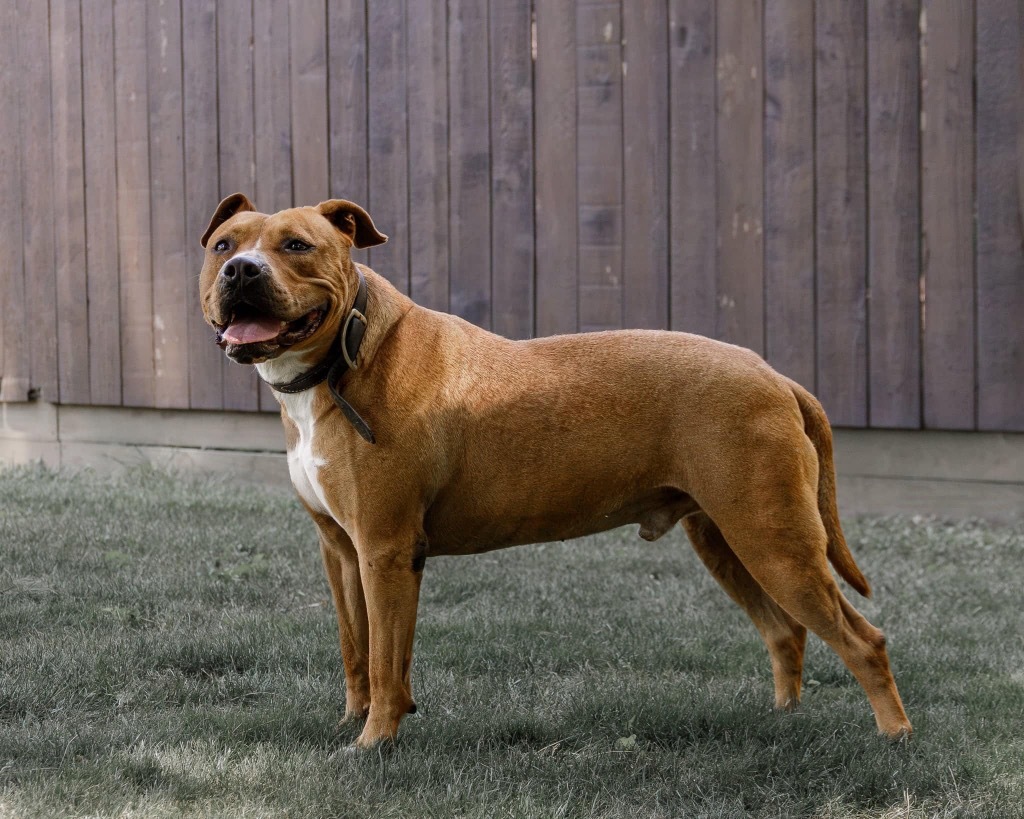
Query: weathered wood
[[388, 136], [15, 363], [740, 176], [645, 122], [789, 189], [511, 112], [101, 208], [237, 150], [37, 195], [133, 227], [272, 114], [599, 163], [692, 179], [1000, 179], [947, 213], [469, 175], [428, 155], [346, 87], [841, 218], [894, 326], [555, 168], [607, 181], [72, 326], [167, 197], [199, 71], [309, 100]]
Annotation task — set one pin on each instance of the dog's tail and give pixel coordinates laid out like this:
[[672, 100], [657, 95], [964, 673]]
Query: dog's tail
[[819, 432]]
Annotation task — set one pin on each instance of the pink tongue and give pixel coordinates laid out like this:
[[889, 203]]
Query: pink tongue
[[250, 331]]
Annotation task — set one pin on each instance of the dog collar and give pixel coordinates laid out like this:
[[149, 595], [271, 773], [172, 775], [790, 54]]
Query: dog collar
[[340, 358]]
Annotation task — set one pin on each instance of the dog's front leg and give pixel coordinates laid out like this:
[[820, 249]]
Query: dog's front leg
[[342, 565], [391, 568]]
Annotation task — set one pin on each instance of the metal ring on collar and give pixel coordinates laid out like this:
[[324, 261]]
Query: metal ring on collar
[[353, 314]]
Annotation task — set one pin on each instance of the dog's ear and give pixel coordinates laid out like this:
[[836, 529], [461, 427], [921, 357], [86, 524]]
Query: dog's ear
[[353, 221], [236, 203]]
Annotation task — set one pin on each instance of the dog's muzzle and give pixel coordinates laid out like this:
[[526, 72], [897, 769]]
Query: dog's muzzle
[[252, 327]]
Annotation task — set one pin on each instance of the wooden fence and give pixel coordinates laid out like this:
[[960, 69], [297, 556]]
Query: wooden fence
[[837, 185]]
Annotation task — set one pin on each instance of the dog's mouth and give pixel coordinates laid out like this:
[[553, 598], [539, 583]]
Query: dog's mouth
[[250, 335]]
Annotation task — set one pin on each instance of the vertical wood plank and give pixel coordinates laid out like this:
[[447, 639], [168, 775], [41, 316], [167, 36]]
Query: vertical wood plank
[[37, 195], [555, 168], [8, 92], [15, 366], [740, 175], [1000, 179], [470, 171], [134, 246], [273, 42], [840, 231], [346, 86], [511, 169], [272, 52], [645, 266], [199, 73], [389, 139], [272, 113], [69, 202], [428, 155], [947, 213], [692, 157], [599, 163], [789, 189], [101, 206], [894, 348], [309, 101], [347, 90], [167, 195], [235, 105]]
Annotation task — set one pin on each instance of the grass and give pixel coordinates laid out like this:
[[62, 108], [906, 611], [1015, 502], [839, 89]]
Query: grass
[[168, 648]]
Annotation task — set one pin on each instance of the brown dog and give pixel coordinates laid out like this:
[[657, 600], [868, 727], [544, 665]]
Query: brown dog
[[413, 433]]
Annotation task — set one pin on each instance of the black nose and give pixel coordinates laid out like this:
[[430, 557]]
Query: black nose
[[242, 270]]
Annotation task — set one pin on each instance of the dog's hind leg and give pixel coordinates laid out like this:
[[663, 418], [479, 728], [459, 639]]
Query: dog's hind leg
[[342, 565], [783, 546], [784, 636]]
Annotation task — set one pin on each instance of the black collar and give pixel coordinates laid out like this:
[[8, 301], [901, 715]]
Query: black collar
[[340, 358]]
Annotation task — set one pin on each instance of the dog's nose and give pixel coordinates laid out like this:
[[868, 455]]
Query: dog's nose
[[241, 270]]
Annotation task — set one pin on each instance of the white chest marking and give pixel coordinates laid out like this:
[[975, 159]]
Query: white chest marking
[[303, 464]]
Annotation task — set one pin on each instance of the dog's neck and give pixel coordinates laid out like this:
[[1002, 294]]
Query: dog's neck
[[384, 309]]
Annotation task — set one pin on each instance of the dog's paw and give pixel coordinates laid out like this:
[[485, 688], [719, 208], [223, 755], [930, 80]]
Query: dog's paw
[[899, 736]]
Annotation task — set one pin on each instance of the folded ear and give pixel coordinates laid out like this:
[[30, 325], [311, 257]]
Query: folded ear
[[353, 221], [236, 203]]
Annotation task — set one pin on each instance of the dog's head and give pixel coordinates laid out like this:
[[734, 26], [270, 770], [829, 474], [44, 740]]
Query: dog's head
[[272, 283]]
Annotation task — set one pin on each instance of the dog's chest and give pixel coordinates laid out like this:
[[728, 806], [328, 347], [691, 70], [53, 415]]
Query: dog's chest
[[303, 463]]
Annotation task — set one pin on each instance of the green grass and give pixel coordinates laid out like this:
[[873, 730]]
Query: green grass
[[168, 648]]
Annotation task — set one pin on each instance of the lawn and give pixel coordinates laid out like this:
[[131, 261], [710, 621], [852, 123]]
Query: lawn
[[168, 648]]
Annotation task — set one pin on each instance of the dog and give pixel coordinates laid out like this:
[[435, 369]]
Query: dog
[[412, 433]]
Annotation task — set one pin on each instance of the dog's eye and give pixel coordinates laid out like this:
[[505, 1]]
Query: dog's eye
[[297, 246], [221, 246]]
